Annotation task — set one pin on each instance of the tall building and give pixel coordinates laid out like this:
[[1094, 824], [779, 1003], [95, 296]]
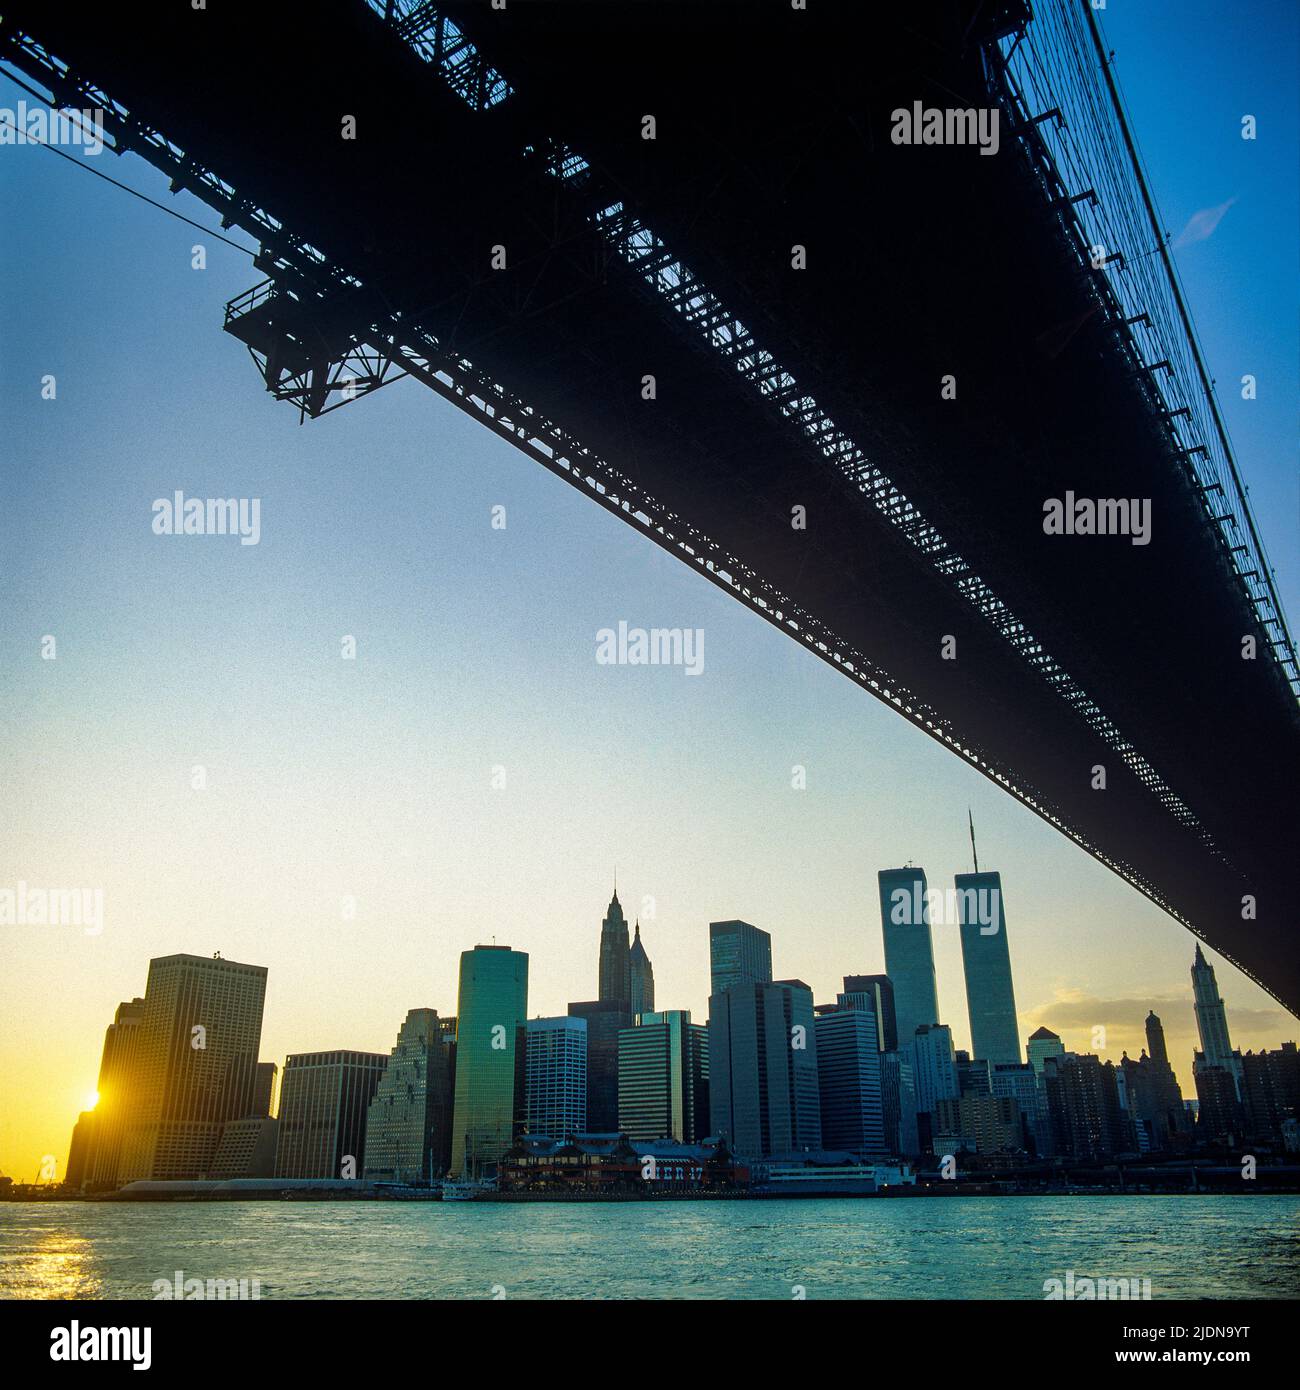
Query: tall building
[[764, 1094], [615, 970], [989, 1124], [663, 1078], [1155, 1101], [195, 1064], [117, 1090], [265, 1099], [849, 1080], [1270, 1092], [1043, 1043], [934, 1066], [909, 949], [604, 1023], [1018, 1082], [898, 1099], [986, 960], [408, 1126], [324, 1104], [80, 1150], [555, 1076], [642, 975], [1083, 1105], [1211, 1018], [490, 1058], [738, 955], [877, 993]]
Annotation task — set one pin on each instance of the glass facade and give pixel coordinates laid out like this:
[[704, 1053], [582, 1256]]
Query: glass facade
[[986, 960], [663, 1078], [909, 949], [738, 955], [556, 1076], [490, 1058], [849, 1079], [763, 1087]]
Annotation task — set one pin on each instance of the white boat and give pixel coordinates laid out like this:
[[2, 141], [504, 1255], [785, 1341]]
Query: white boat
[[466, 1189]]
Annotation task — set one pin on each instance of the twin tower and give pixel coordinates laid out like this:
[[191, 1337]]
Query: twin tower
[[907, 910]]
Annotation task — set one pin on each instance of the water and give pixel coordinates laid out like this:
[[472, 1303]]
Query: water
[[1189, 1247]]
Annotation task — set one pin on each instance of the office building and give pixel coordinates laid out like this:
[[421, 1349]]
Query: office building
[[324, 1103], [642, 975], [877, 993], [1043, 1043], [986, 961], [604, 1023], [909, 949], [117, 1090], [555, 1076], [934, 1066], [739, 954], [408, 1126], [764, 1092], [849, 1080], [1083, 1106], [663, 1078], [194, 1064], [491, 1051], [615, 966]]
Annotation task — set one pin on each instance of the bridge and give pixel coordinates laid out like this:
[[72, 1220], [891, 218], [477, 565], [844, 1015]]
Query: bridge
[[673, 253]]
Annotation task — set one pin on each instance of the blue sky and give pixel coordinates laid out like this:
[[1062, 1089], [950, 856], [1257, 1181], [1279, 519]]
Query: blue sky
[[371, 779]]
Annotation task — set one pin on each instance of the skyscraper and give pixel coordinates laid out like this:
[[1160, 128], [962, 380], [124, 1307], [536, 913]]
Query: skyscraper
[[1211, 1017], [849, 1080], [1083, 1105], [738, 955], [986, 959], [195, 1064], [934, 1065], [615, 971], [663, 1078], [490, 1058], [116, 1093], [877, 993], [1043, 1043], [764, 1093], [324, 1105], [642, 994], [909, 949], [604, 1023], [408, 1128], [556, 1076]]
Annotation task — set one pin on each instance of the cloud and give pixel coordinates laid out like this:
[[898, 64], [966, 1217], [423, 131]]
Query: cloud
[[1201, 225]]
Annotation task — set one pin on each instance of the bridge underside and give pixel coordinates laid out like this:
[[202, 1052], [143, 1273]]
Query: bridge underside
[[772, 130]]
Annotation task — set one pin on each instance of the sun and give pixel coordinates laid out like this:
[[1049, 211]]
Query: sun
[[92, 1100]]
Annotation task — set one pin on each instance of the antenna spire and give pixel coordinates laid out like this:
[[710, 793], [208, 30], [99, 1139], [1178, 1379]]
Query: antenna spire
[[973, 852]]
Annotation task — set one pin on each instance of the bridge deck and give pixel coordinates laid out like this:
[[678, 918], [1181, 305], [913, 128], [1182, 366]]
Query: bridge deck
[[772, 129]]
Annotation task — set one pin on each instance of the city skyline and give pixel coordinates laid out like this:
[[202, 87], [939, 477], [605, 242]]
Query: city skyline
[[1202, 975], [371, 780]]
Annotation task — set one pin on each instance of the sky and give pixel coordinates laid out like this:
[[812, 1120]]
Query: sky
[[371, 780]]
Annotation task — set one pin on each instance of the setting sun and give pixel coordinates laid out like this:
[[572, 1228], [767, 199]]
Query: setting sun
[[92, 1100]]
